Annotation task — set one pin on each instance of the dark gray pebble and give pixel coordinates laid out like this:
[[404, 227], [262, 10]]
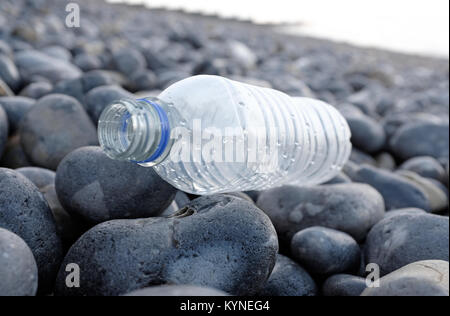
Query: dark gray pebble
[[54, 127], [350, 207], [37, 90], [4, 128], [216, 241], [425, 166], [15, 108], [26, 213], [289, 279], [325, 251], [367, 134], [39, 176], [344, 285], [18, 270], [96, 188], [399, 240]]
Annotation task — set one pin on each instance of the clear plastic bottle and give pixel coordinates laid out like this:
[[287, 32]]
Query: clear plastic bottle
[[209, 134]]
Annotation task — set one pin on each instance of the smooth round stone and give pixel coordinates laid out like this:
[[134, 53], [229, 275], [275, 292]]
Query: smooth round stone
[[437, 198], [397, 191], [423, 278], [54, 127], [58, 52], [325, 251], [289, 279], [405, 211], [386, 161], [143, 80], [8, 72], [33, 63], [97, 189], [69, 228], [87, 62], [425, 166], [71, 87], [5, 90], [406, 238], [216, 241], [425, 139], [39, 176], [5, 49], [13, 155], [37, 90], [15, 108], [177, 290], [96, 78], [26, 213], [99, 98], [4, 128], [18, 270], [349, 207], [392, 123], [129, 61], [344, 285], [367, 134], [359, 158]]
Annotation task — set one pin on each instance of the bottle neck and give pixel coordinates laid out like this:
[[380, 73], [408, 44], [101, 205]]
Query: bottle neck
[[136, 131]]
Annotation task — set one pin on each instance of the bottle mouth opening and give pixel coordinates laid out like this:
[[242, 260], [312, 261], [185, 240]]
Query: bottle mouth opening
[[116, 130]]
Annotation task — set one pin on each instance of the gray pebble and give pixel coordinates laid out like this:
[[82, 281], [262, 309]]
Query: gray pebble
[[15, 108], [9, 73], [424, 139], [54, 127], [325, 251], [18, 270], [289, 279], [423, 278], [13, 156], [39, 176], [367, 134], [344, 285], [96, 188], [4, 127], [129, 61], [99, 98], [397, 191], [425, 166], [399, 240], [216, 241], [402, 211], [350, 207], [37, 90], [26, 213]]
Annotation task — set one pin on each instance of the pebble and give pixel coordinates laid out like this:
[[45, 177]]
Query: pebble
[[34, 63], [96, 188], [422, 278], [177, 290], [401, 211], [406, 238], [325, 251], [18, 270], [13, 156], [9, 73], [289, 279], [437, 198], [4, 127], [350, 207], [99, 98], [425, 166], [4, 89], [423, 139], [344, 285], [37, 90], [26, 213], [397, 191], [15, 108], [216, 241], [367, 134], [129, 61], [39, 176], [56, 125]]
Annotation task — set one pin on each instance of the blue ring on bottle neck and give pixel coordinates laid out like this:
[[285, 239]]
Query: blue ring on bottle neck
[[165, 132]]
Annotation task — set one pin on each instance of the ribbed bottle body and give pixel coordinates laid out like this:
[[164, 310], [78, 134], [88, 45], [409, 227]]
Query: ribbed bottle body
[[229, 136]]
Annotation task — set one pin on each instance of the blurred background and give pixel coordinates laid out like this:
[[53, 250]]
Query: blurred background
[[413, 26]]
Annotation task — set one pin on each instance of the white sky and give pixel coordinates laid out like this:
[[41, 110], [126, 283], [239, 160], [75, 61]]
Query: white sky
[[418, 26]]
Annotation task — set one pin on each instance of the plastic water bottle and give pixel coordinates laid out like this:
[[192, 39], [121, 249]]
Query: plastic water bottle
[[209, 134]]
